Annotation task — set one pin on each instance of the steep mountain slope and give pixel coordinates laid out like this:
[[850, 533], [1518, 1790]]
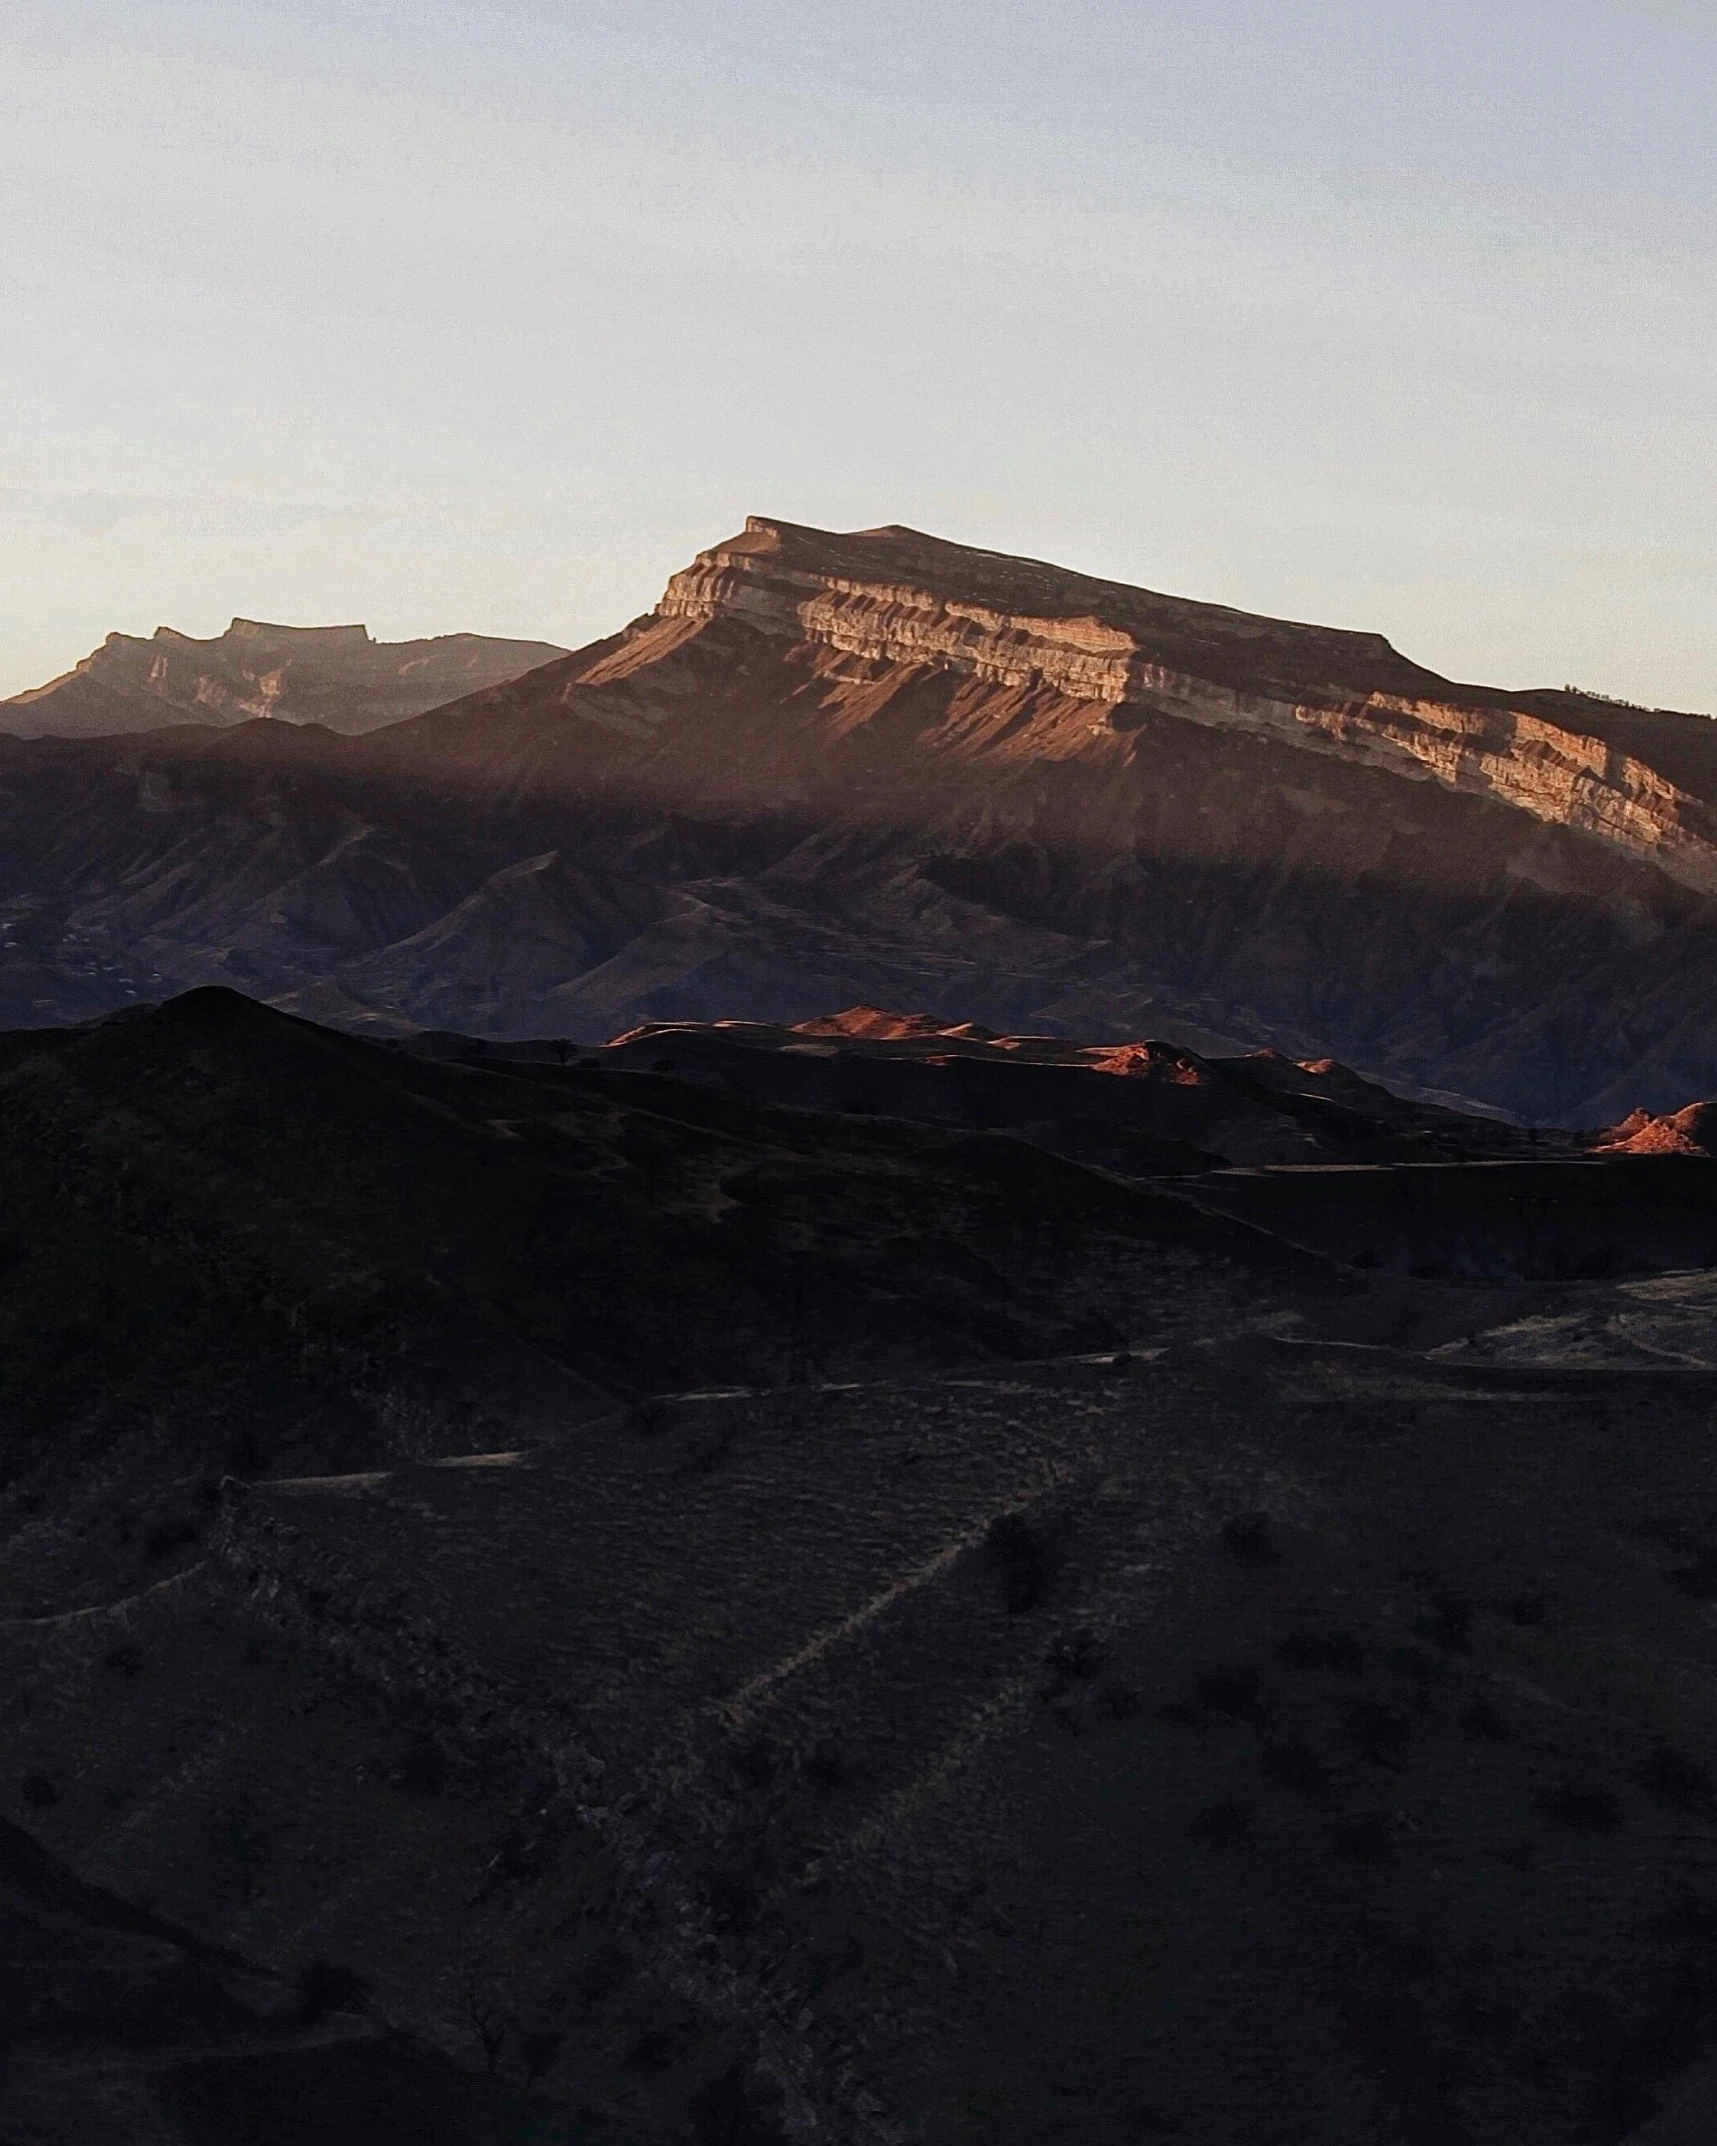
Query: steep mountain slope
[[881, 768], [333, 675]]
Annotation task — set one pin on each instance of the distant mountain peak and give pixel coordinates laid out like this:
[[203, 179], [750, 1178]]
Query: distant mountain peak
[[338, 676]]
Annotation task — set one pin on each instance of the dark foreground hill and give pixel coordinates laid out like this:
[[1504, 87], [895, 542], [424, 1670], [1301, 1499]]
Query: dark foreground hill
[[882, 768], [569, 1601]]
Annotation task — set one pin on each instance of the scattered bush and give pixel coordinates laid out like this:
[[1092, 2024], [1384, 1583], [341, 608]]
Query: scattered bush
[[166, 1536], [423, 1770], [1297, 1766], [1411, 1663], [1121, 1698], [827, 1763], [1489, 2022], [1376, 1731], [1338, 1652], [1448, 1623], [1251, 1538], [1674, 1776], [537, 2052], [1233, 1691], [1363, 1840], [39, 1791], [1584, 1810], [1024, 1561], [1482, 1720], [1223, 1823], [327, 1986], [1074, 1657], [732, 1904]]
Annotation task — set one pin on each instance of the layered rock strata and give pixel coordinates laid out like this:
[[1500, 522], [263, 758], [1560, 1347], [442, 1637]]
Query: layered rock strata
[[889, 595]]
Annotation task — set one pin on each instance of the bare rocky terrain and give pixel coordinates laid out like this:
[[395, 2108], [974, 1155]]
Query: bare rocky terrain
[[335, 676], [735, 1588], [880, 768]]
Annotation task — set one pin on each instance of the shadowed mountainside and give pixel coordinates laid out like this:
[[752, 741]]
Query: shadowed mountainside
[[883, 768], [733, 1622], [332, 675]]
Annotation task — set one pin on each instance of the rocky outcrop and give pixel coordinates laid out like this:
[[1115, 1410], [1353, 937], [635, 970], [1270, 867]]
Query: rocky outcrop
[[333, 675], [894, 596]]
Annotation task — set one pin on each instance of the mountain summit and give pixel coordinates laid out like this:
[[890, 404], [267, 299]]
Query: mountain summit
[[334, 675], [879, 768]]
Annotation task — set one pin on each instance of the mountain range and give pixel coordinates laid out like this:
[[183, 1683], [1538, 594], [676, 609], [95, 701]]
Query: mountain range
[[887, 769], [333, 675]]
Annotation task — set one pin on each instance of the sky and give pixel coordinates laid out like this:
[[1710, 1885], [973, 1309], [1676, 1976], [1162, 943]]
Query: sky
[[1391, 314]]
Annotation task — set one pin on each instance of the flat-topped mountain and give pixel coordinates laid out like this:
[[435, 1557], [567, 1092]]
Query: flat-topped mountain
[[883, 769], [895, 596], [333, 675]]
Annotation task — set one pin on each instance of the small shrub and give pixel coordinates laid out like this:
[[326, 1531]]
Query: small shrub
[[1489, 2022], [1584, 1810], [732, 1903], [1412, 1962], [1296, 1766], [1024, 1562], [1448, 1623], [1338, 1652], [1235, 1692], [827, 1763], [39, 1791], [1363, 1840], [1251, 1538], [653, 2051], [1482, 1721], [166, 1536], [1121, 1699], [1376, 1731], [1674, 1776], [537, 2051], [1074, 1657], [1223, 1823], [125, 1660], [327, 1986], [423, 1771]]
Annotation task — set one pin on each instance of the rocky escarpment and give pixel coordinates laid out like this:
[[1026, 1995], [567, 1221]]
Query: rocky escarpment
[[333, 675], [895, 596], [880, 768]]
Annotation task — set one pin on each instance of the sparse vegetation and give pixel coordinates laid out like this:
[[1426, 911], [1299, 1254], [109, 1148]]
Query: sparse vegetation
[[1238, 1692], [1582, 1810], [1023, 1556], [1338, 1652], [1376, 1731], [326, 1985], [1224, 1822], [1251, 1538]]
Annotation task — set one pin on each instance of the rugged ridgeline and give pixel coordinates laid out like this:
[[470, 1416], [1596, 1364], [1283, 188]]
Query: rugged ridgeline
[[626, 1598], [333, 675], [879, 767]]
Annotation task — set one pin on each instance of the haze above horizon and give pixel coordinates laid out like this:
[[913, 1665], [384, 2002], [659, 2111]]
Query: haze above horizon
[[459, 318]]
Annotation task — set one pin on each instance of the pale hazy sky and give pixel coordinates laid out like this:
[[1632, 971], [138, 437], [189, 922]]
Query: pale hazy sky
[[1398, 314]]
